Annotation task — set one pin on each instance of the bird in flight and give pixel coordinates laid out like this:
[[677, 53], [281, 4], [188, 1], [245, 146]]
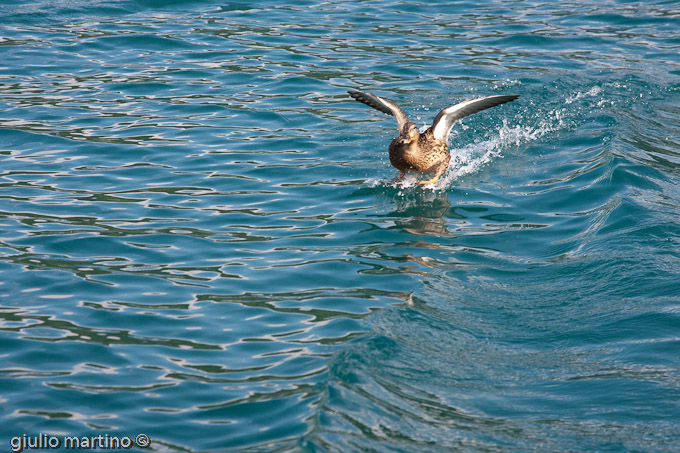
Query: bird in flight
[[426, 152]]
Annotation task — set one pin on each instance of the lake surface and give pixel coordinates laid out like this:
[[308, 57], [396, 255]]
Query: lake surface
[[198, 242]]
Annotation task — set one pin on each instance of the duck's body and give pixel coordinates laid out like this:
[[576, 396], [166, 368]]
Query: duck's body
[[428, 152]]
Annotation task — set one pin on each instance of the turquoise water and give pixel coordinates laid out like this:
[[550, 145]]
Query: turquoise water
[[197, 243]]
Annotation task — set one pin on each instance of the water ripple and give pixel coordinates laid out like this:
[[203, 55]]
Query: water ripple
[[196, 236]]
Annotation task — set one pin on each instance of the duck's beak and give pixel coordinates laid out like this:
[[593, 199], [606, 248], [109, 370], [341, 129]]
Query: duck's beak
[[409, 135]]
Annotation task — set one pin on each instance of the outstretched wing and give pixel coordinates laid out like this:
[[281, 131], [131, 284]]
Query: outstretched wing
[[444, 121], [381, 104]]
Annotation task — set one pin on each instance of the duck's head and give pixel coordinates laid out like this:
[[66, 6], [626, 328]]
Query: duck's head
[[410, 133]]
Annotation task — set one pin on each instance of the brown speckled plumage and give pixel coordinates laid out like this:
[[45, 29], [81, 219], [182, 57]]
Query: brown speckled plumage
[[428, 152]]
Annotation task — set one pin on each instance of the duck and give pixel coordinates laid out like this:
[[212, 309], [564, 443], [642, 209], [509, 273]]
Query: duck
[[426, 152]]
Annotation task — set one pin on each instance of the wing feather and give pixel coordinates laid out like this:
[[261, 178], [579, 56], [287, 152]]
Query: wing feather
[[382, 105], [444, 121]]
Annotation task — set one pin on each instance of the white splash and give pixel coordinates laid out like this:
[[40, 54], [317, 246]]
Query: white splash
[[471, 158], [594, 91]]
